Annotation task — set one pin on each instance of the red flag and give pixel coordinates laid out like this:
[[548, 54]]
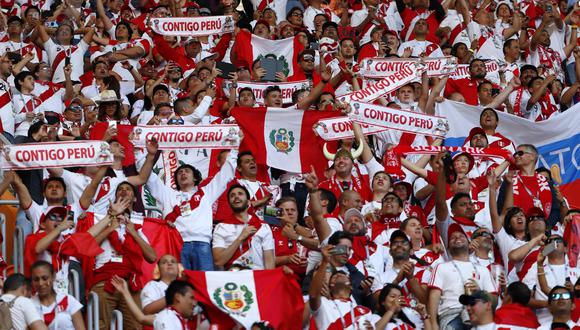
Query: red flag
[[97, 132], [163, 239], [283, 138], [249, 296]]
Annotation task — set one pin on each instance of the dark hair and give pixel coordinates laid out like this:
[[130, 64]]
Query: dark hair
[[456, 47], [20, 77], [457, 197], [381, 308], [29, 8], [508, 44], [271, 89], [327, 195], [128, 26], [176, 287], [479, 87], [239, 186], [543, 169], [335, 238], [528, 67], [15, 282], [246, 89], [519, 292], [383, 172], [97, 62], [179, 104], [489, 109], [291, 11], [54, 178], [511, 212], [242, 154], [558, 287], [42, 263], [135, 190], [296, 94], [72, 30], [390, 193], [262, 325], [531, 82], [475, 60], [197, 177], [161, 105]]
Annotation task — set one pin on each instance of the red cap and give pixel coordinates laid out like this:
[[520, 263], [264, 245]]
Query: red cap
[[261, 21], [474, 131], [453, 227], [469, 156], [60, 210], [407, 186], [535, 212]]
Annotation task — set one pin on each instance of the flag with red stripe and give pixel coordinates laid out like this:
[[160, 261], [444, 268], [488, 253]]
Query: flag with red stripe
[[283, 138], [245, 297]]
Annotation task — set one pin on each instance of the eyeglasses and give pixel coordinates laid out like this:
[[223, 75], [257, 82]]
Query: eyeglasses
[[308, 59], [55, 217], [297, 14], [520, 153], [75, 108], [561, 296]]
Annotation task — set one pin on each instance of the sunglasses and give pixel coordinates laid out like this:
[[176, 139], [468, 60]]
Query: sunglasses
[[561, 296], [75, 108], [521, 153], [55, 217], [482, 233]]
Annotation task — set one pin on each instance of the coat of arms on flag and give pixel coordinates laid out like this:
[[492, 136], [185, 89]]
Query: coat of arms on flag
[[233, 299], [282, 140]]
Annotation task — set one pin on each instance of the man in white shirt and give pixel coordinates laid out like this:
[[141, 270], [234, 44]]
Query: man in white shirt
[[180, 301], [479, 307], [23, 312], [561, 305], [243, 239]]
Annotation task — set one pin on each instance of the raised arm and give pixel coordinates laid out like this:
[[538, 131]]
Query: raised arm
[[320, 225], [143, 176], [315, 292], [441, 210], [91, 189], [108, 25], [540, 92], [496, 219], [148, 252], [121, 286], [501, 97], [22, 192], [367, 154]]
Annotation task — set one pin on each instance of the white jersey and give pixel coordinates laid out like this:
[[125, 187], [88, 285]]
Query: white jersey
[[23, 311], [21, 105], [168, 319], [340, 314], [51, 95], [21, 48], [419, 47], [450, 278], [152, 291], [58, 53], [6, 112], [225, 234], [63, 309], [109, 254]]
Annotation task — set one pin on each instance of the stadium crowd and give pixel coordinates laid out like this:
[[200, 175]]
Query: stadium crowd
[[438, 241]]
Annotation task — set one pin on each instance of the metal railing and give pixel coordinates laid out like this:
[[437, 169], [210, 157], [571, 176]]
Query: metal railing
[[93, 311], [18, 250], [74, 287], [12, 202], [3, 232], [117, 320]]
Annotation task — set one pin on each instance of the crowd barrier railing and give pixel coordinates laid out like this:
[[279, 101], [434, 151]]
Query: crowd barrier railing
[[74, 288], [117, 320], [93, 311], [18, 250]]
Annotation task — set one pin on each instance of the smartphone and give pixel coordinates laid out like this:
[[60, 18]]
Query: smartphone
[[51, 24], [549, 249], [494, 91], [66, 61], [70, 216], [113, 124], [226, 69], [270, 65], [548, 8], [339, 249], [273, 211], [274, 221]]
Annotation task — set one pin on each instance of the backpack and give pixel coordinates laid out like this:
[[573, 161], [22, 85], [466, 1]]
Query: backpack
[[5, 316]]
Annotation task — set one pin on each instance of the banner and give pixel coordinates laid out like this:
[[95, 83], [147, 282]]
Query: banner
[[341, 128], [492, 67], [56, 154], [572, 236], [433, 150], [171, 137], [287, 89], [408, 72], [557, 140], [400, 120], [384, 67], [193, 26]]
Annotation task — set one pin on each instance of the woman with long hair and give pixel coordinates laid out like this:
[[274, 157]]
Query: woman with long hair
[[391, 303], [60, 311]]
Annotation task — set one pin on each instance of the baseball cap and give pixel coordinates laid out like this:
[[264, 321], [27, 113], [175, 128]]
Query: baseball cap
[[474, 131], [453, 228], [471, 299], [352, 212], [398, 234], [55, 212], [535, 212], [306, 54], [469, 156]]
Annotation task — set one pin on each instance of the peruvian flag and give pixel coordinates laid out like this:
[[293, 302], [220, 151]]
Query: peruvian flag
[[245, 297], [283, 138], [249, 47]]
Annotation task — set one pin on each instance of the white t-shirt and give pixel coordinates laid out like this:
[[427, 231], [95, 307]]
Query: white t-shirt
[[76, 54], [152, 291], [167, 320], [63, 312], [394, 324], [335, 312], [548, 326], [450, 278], [225, 234], [23, 312], [420, 47]]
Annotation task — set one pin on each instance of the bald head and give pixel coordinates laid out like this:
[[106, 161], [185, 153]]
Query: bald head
[[350, 199]]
